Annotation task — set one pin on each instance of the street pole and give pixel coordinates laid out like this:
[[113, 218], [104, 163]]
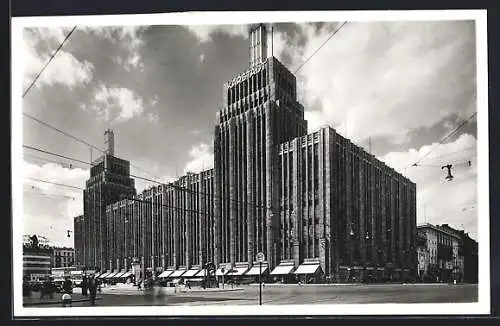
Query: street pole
[[260, 283], [223, 278]]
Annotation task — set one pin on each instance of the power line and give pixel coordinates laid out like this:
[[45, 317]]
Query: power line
[[153, 181], [55, 183], [319, 48], [452, 153], [62, 132], [445, 138], [48, 62], [79, 140], [128, 198]]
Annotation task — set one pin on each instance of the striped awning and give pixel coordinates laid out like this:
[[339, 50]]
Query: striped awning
[[237, 271], [219, 272], [177, 273], [112, 274], [119, 274], [255, 270], [166, 273], [126, 274], [201, 273], [104, 275], [282, 270], [307, 269], [190, 273]]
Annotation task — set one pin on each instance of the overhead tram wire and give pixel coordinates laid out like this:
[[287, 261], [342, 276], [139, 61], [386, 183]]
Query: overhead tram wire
[[80, 140], [128, 198], [48, 62], [453, 132], [150, 180], [55, 183], [321, 46]]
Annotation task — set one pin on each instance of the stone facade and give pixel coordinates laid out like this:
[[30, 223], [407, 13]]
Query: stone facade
[[275, 189]]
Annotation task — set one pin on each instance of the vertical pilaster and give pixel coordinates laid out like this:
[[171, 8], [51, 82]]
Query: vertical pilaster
[[217, 195], [297, 200], [270, 189], [383, 195], [374, 236], [232, 189], [324, 223], [362, 202], [250, 185]]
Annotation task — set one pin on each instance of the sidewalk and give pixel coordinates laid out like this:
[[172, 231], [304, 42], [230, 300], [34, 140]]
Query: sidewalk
[[35, 299], [128, 290]]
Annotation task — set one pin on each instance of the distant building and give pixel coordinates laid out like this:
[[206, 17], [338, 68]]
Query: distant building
[[440, 256], [78, 237], [468, 251], [109, 182], [63, 257]]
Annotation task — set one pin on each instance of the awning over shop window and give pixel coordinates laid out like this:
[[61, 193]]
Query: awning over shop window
[[177, 273], [307, 269], [255, 270], [166, 273], [201, 273], [219, 272], [196, 279], [119, 274], [104, 275], [190, 273], [237, 271], [76, 272], [126, 274], [176, 281], [112, 274], [282, 270]]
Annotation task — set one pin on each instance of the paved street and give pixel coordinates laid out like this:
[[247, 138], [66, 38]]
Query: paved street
[[309, 294]]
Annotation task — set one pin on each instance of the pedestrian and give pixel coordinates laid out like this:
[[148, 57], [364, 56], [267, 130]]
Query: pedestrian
[[84, 286], [92, 289], [67, 286]]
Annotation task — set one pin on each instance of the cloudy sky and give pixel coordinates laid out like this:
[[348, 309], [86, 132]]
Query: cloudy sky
[[402, 85]]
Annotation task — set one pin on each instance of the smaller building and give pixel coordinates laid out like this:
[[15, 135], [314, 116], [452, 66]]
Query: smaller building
[[36, 263], [439, 254], [63, 257], [468, 254]]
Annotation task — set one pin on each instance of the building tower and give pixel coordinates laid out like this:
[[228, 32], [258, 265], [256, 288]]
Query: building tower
[[109, 181], [260, 112], [258, 43], [109, 142]]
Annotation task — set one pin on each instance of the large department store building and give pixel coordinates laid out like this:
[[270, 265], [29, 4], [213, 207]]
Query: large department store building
[[312, 203]]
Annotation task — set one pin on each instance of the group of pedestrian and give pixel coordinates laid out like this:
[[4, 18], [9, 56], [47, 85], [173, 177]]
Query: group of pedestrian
[[90, 286]]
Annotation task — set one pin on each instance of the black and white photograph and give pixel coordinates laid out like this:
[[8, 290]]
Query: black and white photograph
[[251, 163]]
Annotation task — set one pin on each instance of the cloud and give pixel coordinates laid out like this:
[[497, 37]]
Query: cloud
[[204, 32], [129, 38], [116, 104], [202, 58], [64, 69], [443, 200], [50, 207], [202, 158], [154, 100], [153, 117], [383, 79]]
